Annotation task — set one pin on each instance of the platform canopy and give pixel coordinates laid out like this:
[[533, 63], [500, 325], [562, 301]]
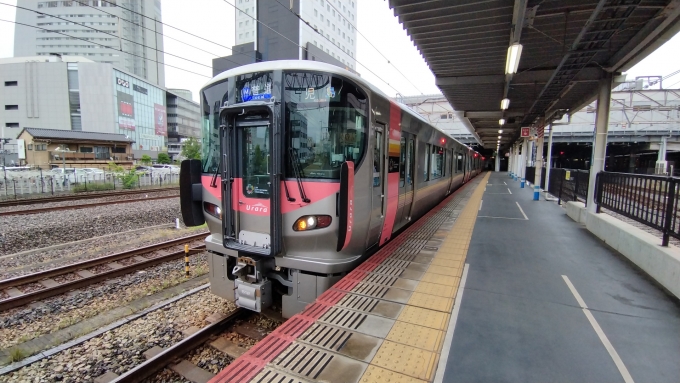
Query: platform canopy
[[567, 47]]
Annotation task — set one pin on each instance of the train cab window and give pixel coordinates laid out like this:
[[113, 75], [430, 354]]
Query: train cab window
[[325, 122], [212, 98]]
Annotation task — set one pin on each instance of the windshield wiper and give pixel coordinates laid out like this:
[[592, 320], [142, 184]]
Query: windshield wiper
[[213, 182], [295, 164]]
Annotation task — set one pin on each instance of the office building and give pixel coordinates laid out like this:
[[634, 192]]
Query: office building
[[184, 120], [74, 93], [271, 30], [124, 33]]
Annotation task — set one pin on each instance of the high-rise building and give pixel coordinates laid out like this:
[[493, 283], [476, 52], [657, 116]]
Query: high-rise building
[[125, 33], [271, 30]]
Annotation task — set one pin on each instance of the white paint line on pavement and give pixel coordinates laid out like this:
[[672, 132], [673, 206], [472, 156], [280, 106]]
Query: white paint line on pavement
[[509, 191], [488, 216], [504, 183], [480, 204], [521, 211], [448, 339], [598, 330]]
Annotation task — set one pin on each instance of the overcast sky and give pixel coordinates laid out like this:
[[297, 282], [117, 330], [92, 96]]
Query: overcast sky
[[213, 20]]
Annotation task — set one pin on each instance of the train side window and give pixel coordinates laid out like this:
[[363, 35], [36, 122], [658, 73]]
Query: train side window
[[426, 169], [402, 162], [436, 163], [460, 162], [410, 161], [377, 158]]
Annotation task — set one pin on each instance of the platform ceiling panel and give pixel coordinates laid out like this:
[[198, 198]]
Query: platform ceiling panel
[[568, 47]]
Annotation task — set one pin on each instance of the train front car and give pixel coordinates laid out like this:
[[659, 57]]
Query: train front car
[[278, 144]]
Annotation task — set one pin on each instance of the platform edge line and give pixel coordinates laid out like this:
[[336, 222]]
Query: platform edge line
[[444, 356]]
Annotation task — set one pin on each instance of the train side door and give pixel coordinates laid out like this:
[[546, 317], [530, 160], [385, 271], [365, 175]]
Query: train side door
[[378, 186], [406, 181]]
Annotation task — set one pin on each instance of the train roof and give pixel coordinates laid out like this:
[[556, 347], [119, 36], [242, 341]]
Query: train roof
[[321, 67]]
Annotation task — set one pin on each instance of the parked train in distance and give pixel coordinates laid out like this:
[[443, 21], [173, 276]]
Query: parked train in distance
[[306, 170]]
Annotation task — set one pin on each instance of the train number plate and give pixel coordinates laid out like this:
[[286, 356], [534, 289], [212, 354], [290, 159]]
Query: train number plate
[[254, 239]]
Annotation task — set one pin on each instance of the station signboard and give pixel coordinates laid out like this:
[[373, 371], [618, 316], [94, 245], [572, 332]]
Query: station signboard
[[526, 132]]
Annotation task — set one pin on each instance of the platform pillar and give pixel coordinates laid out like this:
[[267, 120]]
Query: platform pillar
[[548, 163], [601, 128], [518, 160], [538, 164], [523, 164], [498, 161], [510, 162]]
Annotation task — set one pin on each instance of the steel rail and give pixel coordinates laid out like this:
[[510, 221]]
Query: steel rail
[[34, 277], [35, 201], [24, 299], [83, 206], [167, 356]]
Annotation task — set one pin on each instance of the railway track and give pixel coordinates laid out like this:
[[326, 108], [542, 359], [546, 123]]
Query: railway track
[[170, 355], [133, 261], [74, 197], [83, 206]]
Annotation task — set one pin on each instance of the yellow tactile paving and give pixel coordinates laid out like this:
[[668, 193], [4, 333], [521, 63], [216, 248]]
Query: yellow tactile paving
[[410, 351], [431, 302], [417, 336], [376, 374], [408, 360], [424, 317], [438, 269], [440, 279], [437, 289]]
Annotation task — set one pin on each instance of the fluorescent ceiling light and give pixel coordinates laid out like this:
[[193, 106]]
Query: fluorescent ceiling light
[[501, 122], [512, 61], [500, 131], [505, 103], [499, 137]]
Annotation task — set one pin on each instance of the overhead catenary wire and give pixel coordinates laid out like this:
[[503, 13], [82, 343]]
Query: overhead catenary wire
[[110, 34], [164, 35], [327, 39], [375, 48], [106, 46]]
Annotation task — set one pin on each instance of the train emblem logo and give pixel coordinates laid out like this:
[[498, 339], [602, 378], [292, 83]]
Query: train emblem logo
[[250, 189]]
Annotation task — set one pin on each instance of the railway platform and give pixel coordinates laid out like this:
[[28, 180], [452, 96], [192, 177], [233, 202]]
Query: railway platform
[[488, 286]]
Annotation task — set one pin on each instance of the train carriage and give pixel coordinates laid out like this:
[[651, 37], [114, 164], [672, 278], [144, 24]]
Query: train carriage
[[307, 169]]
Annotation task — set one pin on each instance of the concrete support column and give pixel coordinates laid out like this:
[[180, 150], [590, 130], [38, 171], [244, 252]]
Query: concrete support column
[[661, 163], [600, 145], [526, 156], [498, 161], [510, 162], [516, 162], [548, 161], [538, 165]]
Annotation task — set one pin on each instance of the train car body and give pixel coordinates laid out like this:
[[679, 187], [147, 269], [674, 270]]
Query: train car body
[[306, 170]]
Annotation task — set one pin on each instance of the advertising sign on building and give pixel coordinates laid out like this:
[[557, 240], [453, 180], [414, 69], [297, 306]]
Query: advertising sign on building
[[160, 121], [126, 111], [526, 132]]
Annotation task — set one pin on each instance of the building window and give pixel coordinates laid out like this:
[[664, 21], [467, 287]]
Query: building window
[[11, 83], [11, 107], [40, 147], [316, 13], [11, 125], [29, 146]]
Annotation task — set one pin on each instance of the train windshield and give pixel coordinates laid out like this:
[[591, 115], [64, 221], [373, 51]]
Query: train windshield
[[325, 119], [212, 98]]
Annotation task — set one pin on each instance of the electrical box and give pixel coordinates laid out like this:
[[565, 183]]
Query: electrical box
[[253, 296]]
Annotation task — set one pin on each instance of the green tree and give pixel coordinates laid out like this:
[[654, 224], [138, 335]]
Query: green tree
[[191, 149], [128, 178], [146, 159], [163, 158]]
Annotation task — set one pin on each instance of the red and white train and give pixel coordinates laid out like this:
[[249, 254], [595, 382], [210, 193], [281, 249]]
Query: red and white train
[[306, 170]]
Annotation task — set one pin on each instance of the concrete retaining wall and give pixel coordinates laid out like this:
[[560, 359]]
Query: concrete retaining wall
[[642, 248]]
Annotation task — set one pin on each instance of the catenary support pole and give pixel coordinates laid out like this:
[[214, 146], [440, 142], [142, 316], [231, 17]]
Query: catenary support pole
[[548, 162], [601, 128], [538, 165]]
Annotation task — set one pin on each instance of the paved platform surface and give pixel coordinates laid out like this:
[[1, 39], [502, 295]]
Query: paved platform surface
[[386, 321], [520, 319]]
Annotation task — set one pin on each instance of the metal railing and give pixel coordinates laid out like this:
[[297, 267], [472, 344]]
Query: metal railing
[[651, 200], [567, 184]]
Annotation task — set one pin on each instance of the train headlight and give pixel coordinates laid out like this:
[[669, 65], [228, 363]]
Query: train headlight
[[311, 222], [212, 209]]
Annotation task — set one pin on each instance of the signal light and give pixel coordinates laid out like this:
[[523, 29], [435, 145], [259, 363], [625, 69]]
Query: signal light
[[311, 222], [443, 140]]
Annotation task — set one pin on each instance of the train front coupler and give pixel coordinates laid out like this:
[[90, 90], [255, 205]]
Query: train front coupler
[[252, 290]]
